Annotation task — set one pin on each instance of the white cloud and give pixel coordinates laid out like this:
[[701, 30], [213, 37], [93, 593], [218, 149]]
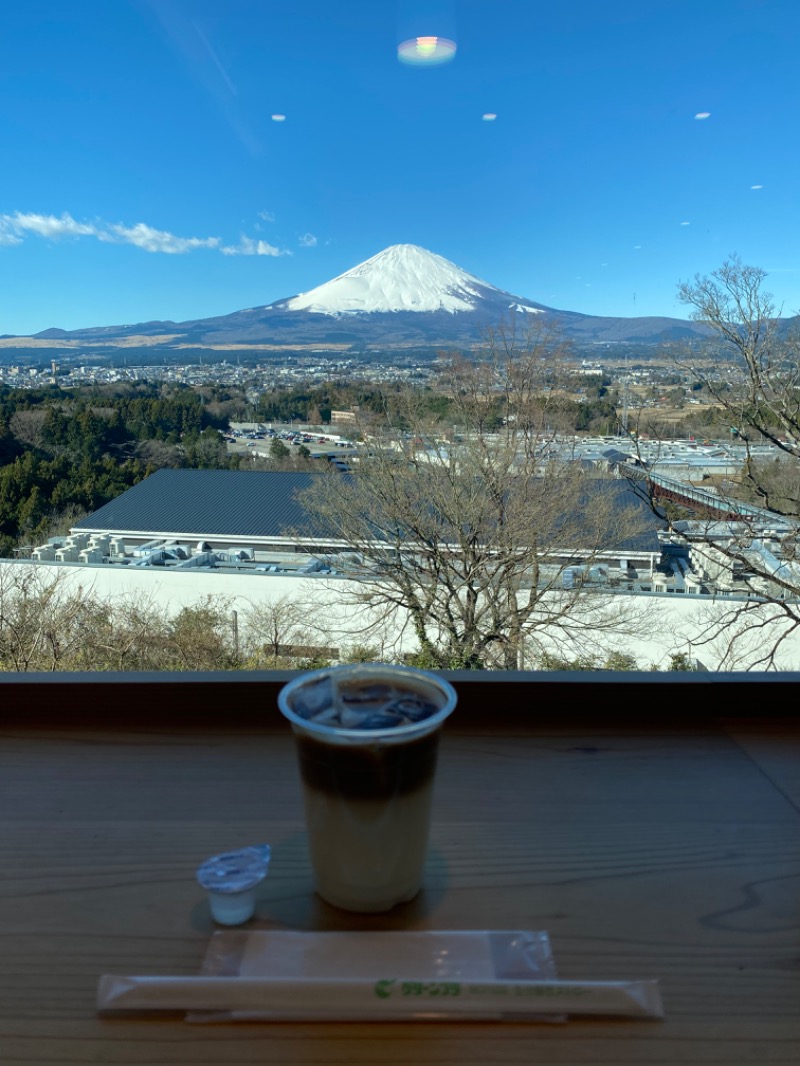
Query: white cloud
[[46, 225], [14, 228], [308, 240], [266, 216], [248, 246], [156, 240]]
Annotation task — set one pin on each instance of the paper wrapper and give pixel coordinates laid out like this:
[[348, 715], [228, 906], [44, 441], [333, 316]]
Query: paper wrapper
[[430, 956], [424, 976]]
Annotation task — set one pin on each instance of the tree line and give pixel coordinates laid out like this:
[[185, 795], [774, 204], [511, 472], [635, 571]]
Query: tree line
[[63, 454]]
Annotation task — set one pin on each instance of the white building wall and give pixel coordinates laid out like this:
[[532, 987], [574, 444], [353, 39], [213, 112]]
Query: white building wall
[[657, 626]]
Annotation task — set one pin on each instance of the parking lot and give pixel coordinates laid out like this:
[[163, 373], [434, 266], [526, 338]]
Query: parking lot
[[256, 439]]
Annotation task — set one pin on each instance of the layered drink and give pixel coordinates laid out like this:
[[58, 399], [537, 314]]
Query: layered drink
[[367, 739]]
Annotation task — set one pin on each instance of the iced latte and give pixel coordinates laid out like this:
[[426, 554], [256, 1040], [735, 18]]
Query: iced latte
[[367, 739]]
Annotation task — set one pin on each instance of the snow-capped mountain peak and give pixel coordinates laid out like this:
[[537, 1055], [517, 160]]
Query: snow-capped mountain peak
[[403, 277]]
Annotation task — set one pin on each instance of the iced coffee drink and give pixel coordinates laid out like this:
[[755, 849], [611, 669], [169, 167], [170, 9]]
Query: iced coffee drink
[[367, 739]]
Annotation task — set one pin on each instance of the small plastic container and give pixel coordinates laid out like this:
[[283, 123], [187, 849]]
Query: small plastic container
[[231, 880]]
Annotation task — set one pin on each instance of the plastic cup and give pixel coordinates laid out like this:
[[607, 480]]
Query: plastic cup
[[367, 791], [231, 879]]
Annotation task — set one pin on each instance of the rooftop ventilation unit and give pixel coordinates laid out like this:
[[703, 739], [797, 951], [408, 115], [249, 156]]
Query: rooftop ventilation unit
[[91, 555], [197, 560], [67, 554], [241, 554], [142, 550]]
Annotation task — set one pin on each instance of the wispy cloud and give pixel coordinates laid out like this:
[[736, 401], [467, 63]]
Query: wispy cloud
[[20, 224], [156, 240], [248, 246], [266, 216], [308, 240], [17, 226]]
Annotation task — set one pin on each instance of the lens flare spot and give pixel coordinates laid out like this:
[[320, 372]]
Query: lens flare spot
[[426, 51]]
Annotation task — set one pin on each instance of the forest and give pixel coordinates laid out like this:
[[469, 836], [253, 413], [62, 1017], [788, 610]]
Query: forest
[[64, 454]]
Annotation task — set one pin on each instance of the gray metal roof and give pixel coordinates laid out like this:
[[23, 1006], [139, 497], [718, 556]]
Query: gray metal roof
[[229, 503], [250, 504]]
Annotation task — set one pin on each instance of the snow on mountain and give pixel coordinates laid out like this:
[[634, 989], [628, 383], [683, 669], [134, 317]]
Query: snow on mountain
[[403, 277]]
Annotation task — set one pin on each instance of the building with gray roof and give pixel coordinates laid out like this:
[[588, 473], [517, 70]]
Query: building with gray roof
[[222, 507], [262, 509]]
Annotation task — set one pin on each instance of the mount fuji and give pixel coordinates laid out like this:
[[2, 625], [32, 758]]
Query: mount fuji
[[403, 297], [405, 277]]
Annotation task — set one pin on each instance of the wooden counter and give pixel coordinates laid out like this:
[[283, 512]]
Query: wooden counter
[[648, 844]]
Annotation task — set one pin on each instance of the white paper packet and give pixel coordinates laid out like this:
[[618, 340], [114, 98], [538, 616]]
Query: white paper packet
[[429, 956], [363, 999], [279, 975]]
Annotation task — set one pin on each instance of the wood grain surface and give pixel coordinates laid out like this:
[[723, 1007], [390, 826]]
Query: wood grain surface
[[664, 853]]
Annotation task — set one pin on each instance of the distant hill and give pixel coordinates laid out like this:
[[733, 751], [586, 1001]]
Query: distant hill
[[403, 297]]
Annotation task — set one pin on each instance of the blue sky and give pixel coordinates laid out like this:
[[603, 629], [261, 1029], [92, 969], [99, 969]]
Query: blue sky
[[143, 176]]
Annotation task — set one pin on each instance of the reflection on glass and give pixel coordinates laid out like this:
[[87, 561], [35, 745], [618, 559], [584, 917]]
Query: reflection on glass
[[426, 51]]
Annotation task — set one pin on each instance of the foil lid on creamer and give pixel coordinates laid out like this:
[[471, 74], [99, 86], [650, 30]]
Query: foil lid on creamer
[[235, 871]]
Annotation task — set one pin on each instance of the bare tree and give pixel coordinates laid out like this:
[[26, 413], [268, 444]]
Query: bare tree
[[761, 395], [278, 632], [755, 379], [27, 425], [467, 521], [199, 637], [44, 620], [54, 622]]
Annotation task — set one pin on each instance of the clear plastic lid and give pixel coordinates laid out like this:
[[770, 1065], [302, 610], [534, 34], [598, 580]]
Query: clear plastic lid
[[367, 702], [235, 871]]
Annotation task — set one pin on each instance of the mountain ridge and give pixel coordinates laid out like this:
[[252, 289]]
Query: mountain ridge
[[403, 296]]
